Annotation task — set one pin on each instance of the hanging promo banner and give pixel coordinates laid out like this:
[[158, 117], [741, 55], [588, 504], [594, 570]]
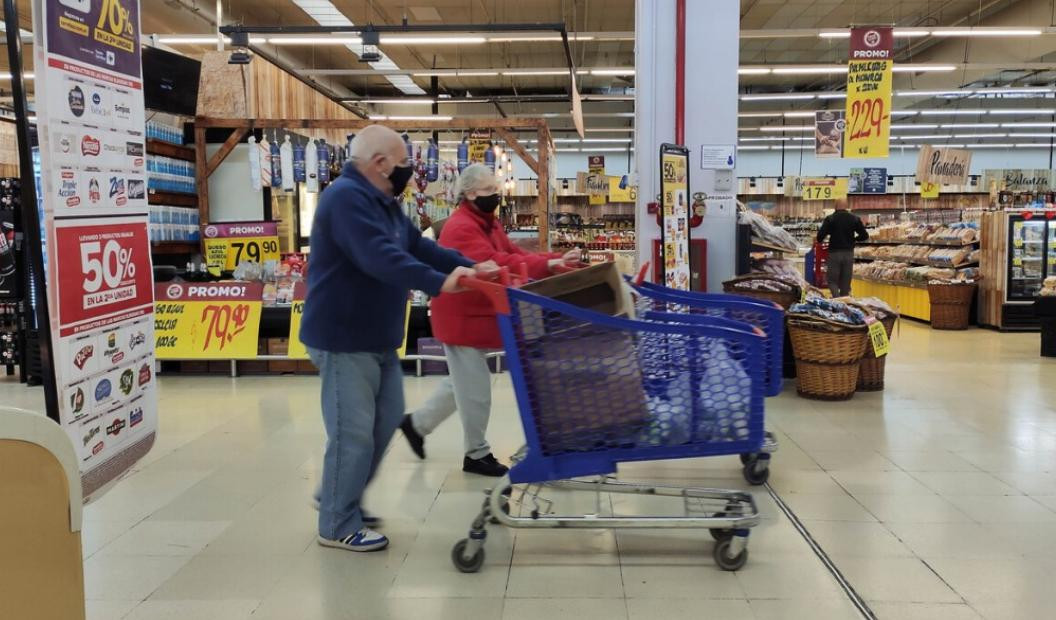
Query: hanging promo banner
[[597, 182], [869, 81], [228, 245], [207, 320], [90, 120], [828, 133], [674, 193], [943, 165], [824, 188], [479, 143]]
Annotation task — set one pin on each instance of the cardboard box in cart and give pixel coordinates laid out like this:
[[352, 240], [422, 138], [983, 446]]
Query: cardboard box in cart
[[600, 288]]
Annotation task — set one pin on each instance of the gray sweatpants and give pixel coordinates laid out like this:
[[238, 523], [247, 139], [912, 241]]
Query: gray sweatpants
[[466, 388], [841, 268]]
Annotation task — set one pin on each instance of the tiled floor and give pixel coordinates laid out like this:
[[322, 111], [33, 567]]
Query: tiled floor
[[936, 499]]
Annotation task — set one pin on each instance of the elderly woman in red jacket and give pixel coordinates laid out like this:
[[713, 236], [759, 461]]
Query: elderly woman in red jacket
[[466, 323]]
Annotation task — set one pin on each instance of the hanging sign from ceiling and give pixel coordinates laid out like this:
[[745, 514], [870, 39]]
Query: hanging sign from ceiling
[[943, 165], [869, 93]]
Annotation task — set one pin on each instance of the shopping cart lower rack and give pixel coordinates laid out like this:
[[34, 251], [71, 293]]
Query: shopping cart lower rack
[[594, 391]]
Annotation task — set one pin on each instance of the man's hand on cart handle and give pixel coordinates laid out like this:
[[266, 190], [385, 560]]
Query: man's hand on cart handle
[[453, 283]]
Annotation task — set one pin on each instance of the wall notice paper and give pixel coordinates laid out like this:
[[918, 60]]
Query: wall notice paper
[[597, 182], [943, 165], [718, 156], [674, 193], [869, 93], [227, 245], [824, 188], [867, 181], [93, 187], [207, 320], [828, 133]]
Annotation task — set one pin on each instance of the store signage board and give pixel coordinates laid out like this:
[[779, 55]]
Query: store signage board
[[943, 165], [674, 193], [479, 143], [867, 181], [718, 156], [296, 348], [868, 111], [829, 127], [824, 188], [207, 320], [227, 245], [597, 182], [8, 272], [628, 193], [878, 337], [929, 190], [93, 187], [1018, 180]]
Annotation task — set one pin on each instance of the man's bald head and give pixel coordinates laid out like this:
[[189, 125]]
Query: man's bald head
[[841, 203], [375, 151]]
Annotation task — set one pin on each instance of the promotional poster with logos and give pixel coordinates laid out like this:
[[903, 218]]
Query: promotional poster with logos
[[93, 180], [674, 192]]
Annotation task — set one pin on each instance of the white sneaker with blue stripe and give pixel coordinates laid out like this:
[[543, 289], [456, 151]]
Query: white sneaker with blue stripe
[[363, 540]]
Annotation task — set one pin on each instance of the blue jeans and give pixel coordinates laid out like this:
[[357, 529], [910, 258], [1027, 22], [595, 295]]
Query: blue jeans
[[362, 399]]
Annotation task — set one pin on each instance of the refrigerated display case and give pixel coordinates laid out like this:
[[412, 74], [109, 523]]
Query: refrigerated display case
[[1031, 254]]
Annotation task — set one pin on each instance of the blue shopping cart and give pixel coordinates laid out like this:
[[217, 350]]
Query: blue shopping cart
[[767, 316], [594, 391]]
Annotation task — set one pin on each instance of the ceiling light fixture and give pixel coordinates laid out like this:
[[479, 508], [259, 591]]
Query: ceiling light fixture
[[934, 93], [374, 117], [808, 114], [980, 135], [778, 97], [951, 112], [753, 71], [398, 101], [915, 126], [313, 40], [969, 126], [528, 72], [788, 128], [1025, 111], [612, 71], [414, 40], [1028, 124], [912, 68], [986, 32]]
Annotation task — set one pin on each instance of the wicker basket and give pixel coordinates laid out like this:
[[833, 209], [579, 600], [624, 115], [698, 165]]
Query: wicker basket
[[951, 304], [871, 374], [786, 295], [827, 356]]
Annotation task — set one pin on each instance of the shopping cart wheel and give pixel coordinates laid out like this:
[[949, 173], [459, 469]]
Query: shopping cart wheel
[[757, 472], [721, 553], [747, 457], [473, 564]]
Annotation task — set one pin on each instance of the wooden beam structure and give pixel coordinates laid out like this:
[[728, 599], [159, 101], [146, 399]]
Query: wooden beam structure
[[503, 127]]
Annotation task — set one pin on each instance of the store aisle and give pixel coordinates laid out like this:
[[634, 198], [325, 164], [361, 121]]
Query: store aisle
[[936, 499]]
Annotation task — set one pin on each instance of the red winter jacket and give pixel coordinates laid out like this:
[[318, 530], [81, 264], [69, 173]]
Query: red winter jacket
[[468, 319]]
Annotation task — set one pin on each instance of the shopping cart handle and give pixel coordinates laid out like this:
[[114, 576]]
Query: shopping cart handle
[[563, 268], [494, 290], [641, 274]]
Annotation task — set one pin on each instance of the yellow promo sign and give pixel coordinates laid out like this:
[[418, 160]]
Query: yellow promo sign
[[297, 350], [211, 320], [878, 337], [929, 189], [868, 111], [597, 182], [824, 189], [627, 194], [228, 245]]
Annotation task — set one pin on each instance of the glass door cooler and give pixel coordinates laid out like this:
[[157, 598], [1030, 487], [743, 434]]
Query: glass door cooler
[[1031, 256]]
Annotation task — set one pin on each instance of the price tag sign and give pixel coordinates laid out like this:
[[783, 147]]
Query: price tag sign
[[214, 320], [868, 112], [228, 245], [824, 189], [878, 337], [1017, 261], [626, 194], [929, 189], [1018, 243], [296, 347]]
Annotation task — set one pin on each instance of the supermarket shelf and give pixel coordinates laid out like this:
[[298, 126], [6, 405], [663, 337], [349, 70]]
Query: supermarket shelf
[[938, 244], [167, 149], [176, 199], [174, 247], [905, 283], [920, 263]]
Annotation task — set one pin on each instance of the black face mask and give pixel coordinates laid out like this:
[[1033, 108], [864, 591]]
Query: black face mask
[[487, 204], [399, 177]]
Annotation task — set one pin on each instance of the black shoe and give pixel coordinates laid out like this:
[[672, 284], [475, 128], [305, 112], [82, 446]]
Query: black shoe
[[414, 438], [484, 466]]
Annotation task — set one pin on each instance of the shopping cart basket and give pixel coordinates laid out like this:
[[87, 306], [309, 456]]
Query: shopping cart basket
[[769, 317], [594, 391]]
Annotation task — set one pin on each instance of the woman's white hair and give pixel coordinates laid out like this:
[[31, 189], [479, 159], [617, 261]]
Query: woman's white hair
[[474, 178]]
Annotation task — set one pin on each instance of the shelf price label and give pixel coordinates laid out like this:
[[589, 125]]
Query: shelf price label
[[824, 189], [868, 111], [929, 189], [296, 347], [878, 337], [228, 245], [214, 320]]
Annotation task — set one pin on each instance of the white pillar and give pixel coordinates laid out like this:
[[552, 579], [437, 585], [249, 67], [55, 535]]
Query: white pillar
[[711, 51]]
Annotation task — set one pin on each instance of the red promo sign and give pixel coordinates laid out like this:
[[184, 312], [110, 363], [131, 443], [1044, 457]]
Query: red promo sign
[[241, 229], [872, 43], [113, 272], [209, 291]]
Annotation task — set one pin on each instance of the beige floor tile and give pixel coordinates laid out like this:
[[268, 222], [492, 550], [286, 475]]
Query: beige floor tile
[[851, 539], [964, 483], [193, 610], [127, 578], [166, 538], [823, 507], [895, 580], [564, 608], [852, 460], [924, 611], [108, 610], [1030, 483], [97, 534], [880, 482], [911, 508], [684, 609], [999, 582], [804, 609], [703, 581], [786, 577], [953, 540], [1008, 509], [575, 547], [218, 578], [566, 581]]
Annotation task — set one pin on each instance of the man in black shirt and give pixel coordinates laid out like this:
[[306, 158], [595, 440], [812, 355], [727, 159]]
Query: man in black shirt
[[843, 229]]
